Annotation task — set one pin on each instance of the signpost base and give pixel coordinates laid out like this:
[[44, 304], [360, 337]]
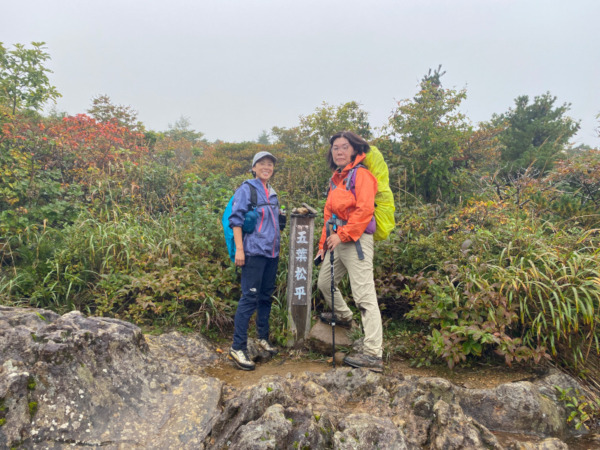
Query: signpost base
[[299, 283]]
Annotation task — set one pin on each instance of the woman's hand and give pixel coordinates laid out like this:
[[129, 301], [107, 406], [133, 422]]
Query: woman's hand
[[333, 241], [240, 257]]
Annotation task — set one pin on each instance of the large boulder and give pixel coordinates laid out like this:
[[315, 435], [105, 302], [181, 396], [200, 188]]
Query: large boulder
[[320, 338], [72, 380]]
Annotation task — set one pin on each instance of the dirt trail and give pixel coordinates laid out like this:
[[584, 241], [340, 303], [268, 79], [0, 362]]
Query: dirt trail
[[477, 377]]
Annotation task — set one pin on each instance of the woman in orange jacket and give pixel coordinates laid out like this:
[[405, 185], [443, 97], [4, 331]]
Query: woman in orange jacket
[[349, 214]]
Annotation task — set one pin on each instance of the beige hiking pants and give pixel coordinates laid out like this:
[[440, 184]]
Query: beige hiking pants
[[363, 289]]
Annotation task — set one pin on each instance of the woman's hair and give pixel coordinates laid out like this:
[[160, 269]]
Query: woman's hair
[[359, 144]]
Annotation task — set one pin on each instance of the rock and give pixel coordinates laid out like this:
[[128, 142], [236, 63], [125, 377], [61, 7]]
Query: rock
[[339, 358], [250, 405], [301, 211], [452, 430], [466, 245], [546, 444], [363, 431], [185, 354], [257, 353], [509, 407], [92, 382], [513, 406], [320, 340], [265, 433], [74, 381]]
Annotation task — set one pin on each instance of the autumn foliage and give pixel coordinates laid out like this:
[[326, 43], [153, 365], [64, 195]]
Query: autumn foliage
[[76, 144], [487, 260]]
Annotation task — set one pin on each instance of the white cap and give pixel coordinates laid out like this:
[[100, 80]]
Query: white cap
[[261, 155]]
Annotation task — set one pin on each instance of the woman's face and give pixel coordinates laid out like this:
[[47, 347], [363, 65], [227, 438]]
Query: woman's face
[[264, 169], [342, 152]]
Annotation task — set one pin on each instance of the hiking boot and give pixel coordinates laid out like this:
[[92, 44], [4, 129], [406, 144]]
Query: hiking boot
[[372, 363], [266, 346], [327, 318], [241, 359]]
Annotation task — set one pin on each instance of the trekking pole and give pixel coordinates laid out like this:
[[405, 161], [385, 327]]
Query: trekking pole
[[332, 228]]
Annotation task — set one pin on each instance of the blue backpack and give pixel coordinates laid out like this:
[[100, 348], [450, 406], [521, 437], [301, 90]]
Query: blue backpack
[[249, 221]]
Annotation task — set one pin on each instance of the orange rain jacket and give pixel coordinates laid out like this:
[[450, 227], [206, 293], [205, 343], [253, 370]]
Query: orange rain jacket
[[357, 211]]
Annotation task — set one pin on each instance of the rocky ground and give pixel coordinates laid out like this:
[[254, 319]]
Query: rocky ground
[[71, 382]]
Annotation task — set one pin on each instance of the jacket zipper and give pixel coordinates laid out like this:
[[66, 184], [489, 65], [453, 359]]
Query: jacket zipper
[[275, 229], [262, 218]]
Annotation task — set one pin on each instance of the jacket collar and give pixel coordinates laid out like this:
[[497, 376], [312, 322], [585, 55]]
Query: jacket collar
[[349, 167], [258, 185]]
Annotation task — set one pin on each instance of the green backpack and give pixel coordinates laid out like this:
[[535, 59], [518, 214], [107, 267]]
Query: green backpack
[[384, 199]]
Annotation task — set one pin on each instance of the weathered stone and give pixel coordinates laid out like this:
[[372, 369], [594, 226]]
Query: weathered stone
[[267, 432], [184, 353], [364, 431], [91, 382], [452, 430], [71, 381], [514, 406], [309, 428], [14, 406], [320, 338], [339, 358], [257, 353], [248, 406]]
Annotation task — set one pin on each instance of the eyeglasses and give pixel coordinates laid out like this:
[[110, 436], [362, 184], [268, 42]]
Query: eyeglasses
[[341, 148]]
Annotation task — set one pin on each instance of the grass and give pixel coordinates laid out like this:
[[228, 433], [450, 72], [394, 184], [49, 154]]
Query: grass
[[559, 301]]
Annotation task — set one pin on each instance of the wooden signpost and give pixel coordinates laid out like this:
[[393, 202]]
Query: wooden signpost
[[299, 285]]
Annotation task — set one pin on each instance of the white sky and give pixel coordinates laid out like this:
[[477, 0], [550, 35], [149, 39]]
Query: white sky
[[237, 67]]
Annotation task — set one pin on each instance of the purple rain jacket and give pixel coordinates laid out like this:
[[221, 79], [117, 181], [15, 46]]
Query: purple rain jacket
[[264, 241]]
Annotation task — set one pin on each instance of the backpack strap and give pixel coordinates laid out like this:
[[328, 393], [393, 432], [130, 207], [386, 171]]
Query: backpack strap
[[253, 196], [351, 179], [351, 186]]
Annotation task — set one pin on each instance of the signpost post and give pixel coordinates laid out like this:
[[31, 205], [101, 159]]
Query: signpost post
[[299, 284]]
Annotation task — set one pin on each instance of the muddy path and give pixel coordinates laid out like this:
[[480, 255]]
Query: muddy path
[[296, 363]]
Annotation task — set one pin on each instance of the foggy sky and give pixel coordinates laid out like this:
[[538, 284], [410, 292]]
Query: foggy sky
[[237, 67]]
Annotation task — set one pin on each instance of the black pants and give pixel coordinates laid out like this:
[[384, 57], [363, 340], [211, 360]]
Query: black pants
[[258, 284]]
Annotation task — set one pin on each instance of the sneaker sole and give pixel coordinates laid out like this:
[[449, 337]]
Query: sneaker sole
[[240, 365], [372, 369]]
